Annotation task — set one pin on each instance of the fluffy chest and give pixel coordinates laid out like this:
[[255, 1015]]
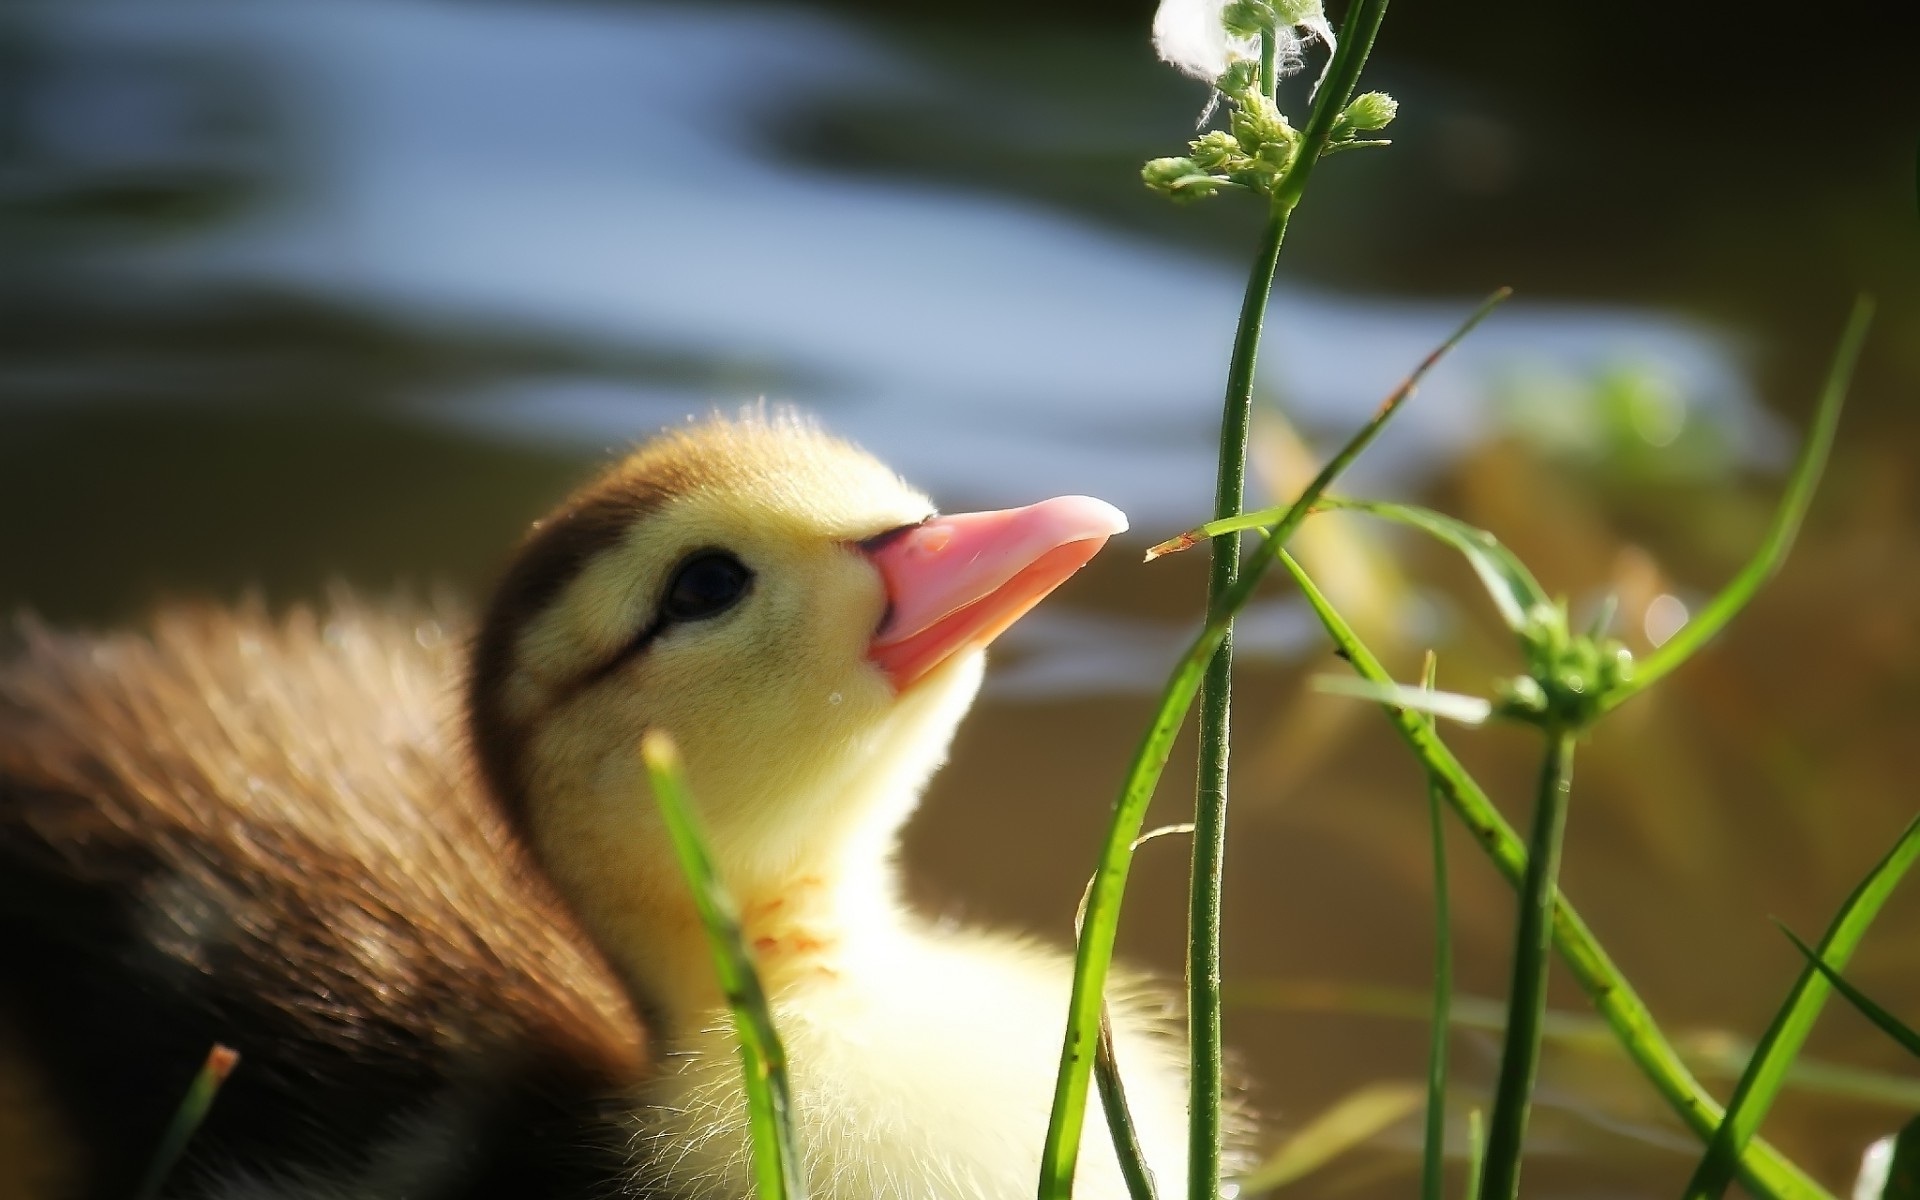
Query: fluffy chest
[[921, 1068]]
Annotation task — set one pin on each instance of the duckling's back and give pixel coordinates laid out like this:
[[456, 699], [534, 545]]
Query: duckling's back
[[260, 831]]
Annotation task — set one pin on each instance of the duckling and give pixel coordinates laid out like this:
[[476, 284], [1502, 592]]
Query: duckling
[[474, 959]]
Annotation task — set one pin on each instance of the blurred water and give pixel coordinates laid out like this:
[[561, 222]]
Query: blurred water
[[600, 179]]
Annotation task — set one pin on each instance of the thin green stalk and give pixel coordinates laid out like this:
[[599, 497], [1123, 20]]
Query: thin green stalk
[[777, 1171], [1801, 484], [1710, 1052], [1476, 1150], [1113, 1100], [1532, 955], [1204, 1039], [187, 1118], [1434, 1149], [1106, 1069], [1763, 1169], [1204, 1036], [1094, 950], [1778, 1047], [1868, 1007], [1357, 32]]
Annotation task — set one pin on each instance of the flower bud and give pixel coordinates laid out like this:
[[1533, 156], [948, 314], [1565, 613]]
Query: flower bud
[[1369, 111], [1241, 76], [1256, 122], [1521, 696], [1300, 12], [1179, 178], [1249, 18], [1217, 152]]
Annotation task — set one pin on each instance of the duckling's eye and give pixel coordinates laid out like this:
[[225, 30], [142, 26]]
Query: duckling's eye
[[706, 585]]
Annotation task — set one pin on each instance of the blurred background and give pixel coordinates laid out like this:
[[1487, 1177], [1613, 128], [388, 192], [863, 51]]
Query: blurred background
[[297, 291]]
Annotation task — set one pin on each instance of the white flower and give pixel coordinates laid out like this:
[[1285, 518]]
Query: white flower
[[1193, 35]]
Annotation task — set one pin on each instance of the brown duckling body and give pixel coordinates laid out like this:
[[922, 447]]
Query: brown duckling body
[[261, 831], [465, 964]]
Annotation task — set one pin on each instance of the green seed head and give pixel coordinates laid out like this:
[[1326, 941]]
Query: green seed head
[[1249, 18], [1369, 111], [1217, 153], [1179, 178]]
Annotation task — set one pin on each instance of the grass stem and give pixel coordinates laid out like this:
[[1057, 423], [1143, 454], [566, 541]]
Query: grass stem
[[1763, 1169], [1093, 954], [1434, 1147], [1204, 1039], [1113, 1100], [1532, 956]]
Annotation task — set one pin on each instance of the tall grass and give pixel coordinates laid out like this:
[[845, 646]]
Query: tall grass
[[1573, 679]]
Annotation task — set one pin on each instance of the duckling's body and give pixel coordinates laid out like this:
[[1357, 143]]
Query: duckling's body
[[269, 833], [932, 1077], [261, 831]]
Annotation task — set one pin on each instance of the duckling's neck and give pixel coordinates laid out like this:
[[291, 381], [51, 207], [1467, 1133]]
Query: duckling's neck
[[805, 927], [809, 859]]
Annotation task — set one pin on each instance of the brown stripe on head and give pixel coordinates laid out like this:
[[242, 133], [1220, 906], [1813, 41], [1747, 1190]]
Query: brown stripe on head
[[557, 549]]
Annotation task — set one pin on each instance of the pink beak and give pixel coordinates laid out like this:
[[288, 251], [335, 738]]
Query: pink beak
[[954, 583]]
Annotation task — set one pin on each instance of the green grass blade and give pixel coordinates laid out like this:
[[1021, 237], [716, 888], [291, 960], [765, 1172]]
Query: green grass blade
[[1780, 534], [1093, 953], [1711, 1052], [1134, 1170], [1467, 710], [1532, 955], [187, 1118], [1762, 1168], [1433, 1156], [777, 1171], [1514, 590], [1113, 1101], [1760, 1083], [1476, 1151], [1281, 520], [1353, 1120], [1889, 1024]]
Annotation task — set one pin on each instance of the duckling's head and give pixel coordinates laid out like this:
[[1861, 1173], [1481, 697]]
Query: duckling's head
[[792, 613]]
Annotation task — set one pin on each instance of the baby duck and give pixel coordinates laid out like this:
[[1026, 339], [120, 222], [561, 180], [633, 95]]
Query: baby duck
[[810, 633]]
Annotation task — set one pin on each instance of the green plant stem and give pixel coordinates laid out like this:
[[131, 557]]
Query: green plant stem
[[1532, 955], [1434, 1147], [1093, 952], [1709, 1052], [1204, 1038], [1113, 1100], [1763, 1169], [1476, 1151], [1357, 32]]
